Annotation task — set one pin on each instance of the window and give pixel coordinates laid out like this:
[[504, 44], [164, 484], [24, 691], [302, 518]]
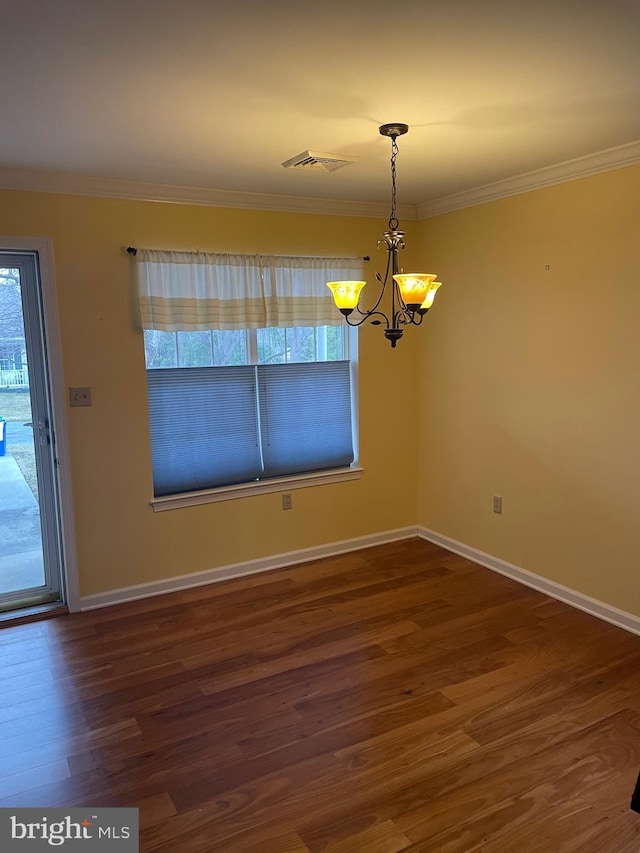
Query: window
[[226, 348], [231, 406]]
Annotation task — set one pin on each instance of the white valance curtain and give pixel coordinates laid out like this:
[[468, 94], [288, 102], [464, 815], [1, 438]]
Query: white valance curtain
[[189, 291]]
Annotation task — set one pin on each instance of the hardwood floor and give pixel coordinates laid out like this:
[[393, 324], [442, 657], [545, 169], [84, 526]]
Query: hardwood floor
[[396, 698]]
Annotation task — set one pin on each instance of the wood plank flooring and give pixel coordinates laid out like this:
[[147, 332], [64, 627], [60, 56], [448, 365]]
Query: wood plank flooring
[[395, 698]]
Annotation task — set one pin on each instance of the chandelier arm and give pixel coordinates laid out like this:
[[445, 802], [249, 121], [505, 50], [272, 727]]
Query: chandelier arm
[[402, 318], [374, 310], [384, 282], [367, 316], [378, 301], [408, 318]]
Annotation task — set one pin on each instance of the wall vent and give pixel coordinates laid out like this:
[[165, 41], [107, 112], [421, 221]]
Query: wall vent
[[319, 161]]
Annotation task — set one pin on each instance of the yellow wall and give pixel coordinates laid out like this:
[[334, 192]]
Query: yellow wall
[[531, 383], [120, 540], [528, 388]]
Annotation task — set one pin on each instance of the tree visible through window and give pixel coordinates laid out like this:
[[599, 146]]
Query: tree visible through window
[[217, 348]]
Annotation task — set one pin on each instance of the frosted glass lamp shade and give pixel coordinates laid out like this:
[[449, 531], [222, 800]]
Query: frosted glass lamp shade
[[346, 294], [414, 288], [431, 295]]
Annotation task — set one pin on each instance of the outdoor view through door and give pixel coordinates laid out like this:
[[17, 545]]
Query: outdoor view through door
[[30, 565]]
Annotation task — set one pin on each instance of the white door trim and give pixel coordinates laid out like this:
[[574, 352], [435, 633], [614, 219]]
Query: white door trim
[[43, 246]]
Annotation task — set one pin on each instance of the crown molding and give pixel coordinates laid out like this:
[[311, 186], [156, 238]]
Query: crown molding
[[570, 170], [31, 180]]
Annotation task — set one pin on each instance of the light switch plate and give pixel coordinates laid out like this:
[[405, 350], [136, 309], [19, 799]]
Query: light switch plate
[[79, 396]]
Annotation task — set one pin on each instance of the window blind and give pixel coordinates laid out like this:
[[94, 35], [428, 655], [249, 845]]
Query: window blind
[[216, 426], [204, 428], [305, 416]]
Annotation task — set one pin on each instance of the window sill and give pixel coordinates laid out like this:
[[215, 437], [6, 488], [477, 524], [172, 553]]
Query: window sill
[[244, 490]]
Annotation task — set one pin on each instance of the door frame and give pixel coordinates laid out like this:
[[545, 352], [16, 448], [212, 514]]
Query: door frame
[[43, 249]]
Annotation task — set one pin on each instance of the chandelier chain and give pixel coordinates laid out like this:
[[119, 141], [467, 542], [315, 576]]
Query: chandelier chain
[[393, 219]]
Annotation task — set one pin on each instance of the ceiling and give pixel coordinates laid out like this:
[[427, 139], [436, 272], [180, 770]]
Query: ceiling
[[216, 95]]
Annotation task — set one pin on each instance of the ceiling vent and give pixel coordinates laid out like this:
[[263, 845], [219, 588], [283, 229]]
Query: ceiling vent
[[318, 161]]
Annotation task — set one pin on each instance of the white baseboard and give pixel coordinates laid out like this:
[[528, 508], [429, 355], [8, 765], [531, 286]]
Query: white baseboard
[[608, 613], [237, 570], [563, 593]]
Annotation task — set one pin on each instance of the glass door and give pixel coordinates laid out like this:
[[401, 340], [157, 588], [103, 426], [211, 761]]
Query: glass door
[[30, 549]]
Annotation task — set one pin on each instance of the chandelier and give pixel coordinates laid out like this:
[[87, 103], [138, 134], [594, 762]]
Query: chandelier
[[412, 294]]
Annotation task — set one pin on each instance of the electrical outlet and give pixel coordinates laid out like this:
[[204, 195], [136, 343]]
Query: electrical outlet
[[497, 504], [79, 396], [287, 503]]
